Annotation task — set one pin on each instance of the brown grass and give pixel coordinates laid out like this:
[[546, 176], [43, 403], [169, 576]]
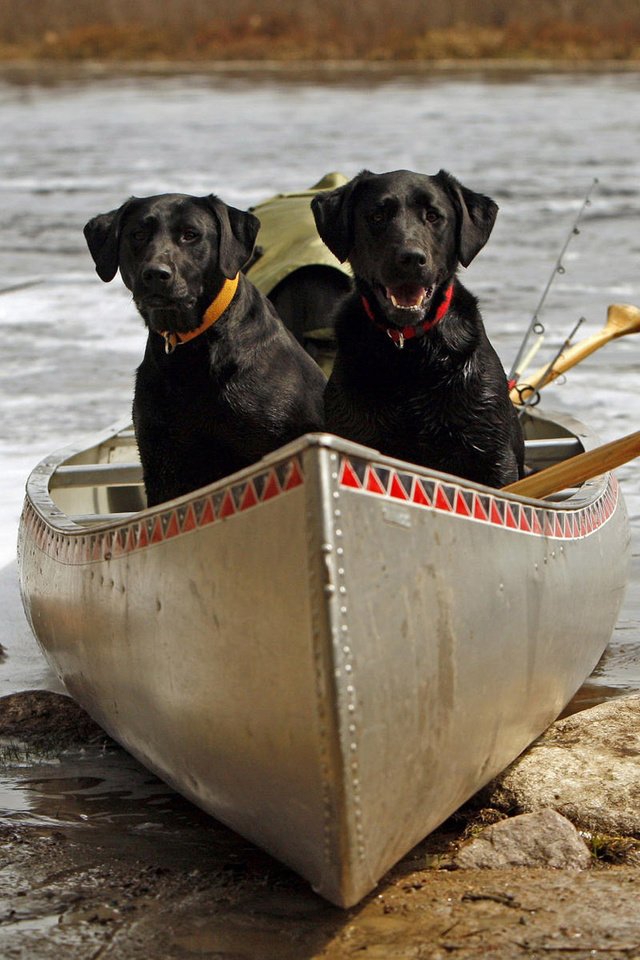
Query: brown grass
[[302, 29]]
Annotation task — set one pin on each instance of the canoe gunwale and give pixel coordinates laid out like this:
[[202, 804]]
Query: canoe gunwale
[[40, 499], [401, 485]]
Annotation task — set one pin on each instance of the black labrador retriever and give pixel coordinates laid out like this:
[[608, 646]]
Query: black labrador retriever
[[222, 382], [415, 375]]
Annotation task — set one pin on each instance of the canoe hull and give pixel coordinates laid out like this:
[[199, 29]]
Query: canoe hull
[[329, 652]]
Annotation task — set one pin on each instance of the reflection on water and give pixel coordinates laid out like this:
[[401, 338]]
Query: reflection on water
[[95, 787]]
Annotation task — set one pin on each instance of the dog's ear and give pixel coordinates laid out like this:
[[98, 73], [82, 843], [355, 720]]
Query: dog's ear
[[333, 213], [238, 232], [476, 217], [102, 234]]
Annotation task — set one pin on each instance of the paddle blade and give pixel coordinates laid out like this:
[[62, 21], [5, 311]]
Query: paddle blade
[[622, 318]]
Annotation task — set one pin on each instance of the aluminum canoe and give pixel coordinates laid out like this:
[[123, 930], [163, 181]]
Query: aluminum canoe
[[332, 650]]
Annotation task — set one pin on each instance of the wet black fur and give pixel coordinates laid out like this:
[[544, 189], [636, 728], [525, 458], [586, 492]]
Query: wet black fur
[[442, 401], [234, 393]]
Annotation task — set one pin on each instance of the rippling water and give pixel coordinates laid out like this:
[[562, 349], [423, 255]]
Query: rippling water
[[70, 344]]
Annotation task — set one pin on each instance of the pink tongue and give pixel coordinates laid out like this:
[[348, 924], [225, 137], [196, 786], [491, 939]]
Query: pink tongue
[[406, 295]]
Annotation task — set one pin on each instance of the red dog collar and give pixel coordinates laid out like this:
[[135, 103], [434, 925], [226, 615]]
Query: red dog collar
[[411, 332]]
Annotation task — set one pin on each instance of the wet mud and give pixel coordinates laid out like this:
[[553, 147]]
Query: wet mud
[[99, 859]]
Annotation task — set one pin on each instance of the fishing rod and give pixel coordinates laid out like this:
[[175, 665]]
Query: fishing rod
[[526, 362], [528, 395], [622, 319], [536, 326]]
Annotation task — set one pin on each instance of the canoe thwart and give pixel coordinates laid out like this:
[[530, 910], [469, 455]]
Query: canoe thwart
[[97, 474]]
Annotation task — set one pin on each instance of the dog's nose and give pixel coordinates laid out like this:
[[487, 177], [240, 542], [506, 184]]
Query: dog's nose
[[156, 273], [412, 257]]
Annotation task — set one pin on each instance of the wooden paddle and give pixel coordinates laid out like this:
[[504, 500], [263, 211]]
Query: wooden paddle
[[577, 469], [622, 318]]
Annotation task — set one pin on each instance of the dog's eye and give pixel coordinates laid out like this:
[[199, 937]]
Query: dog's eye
[[377, 216], [431, 215], [138, 235], [190, 235]]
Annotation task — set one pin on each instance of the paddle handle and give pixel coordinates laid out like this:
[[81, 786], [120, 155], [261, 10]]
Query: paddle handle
[[623, 319], [577, 469]]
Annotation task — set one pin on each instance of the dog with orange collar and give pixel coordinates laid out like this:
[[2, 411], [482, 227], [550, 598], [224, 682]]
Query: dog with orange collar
[[415, 375], [222, 382]]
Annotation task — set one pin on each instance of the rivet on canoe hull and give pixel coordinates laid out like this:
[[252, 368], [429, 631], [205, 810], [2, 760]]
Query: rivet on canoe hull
[[345, 654], [317, 626]]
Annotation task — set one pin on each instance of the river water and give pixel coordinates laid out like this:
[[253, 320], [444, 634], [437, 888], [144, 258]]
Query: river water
[[72, 149]]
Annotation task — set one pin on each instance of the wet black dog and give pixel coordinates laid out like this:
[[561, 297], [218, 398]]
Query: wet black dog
[[415, 376], [222, 382]]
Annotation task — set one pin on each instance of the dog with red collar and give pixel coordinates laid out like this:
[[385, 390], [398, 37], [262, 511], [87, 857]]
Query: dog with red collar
[[415, 375]]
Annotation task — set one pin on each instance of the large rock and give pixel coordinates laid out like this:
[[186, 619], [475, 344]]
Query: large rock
[[47, 720], [544, 839], [587, 767]]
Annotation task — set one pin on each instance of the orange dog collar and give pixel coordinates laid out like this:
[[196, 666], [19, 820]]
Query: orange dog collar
[[213, 312]]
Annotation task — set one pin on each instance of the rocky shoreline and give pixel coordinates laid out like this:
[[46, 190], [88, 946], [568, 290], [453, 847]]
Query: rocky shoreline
[[543, 862]]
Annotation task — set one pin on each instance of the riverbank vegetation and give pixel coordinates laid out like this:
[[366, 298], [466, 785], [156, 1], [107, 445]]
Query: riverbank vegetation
[[201, 30]]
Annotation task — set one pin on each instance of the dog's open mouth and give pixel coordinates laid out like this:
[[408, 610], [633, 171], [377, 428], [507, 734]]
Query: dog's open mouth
[[409, 296]]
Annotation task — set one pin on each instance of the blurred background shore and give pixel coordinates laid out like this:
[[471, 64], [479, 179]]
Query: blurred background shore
[[380, 31]]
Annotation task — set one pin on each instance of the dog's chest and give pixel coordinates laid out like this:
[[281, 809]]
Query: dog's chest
[[407, 389], [412, 410], [420, 419], [183, 403]]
